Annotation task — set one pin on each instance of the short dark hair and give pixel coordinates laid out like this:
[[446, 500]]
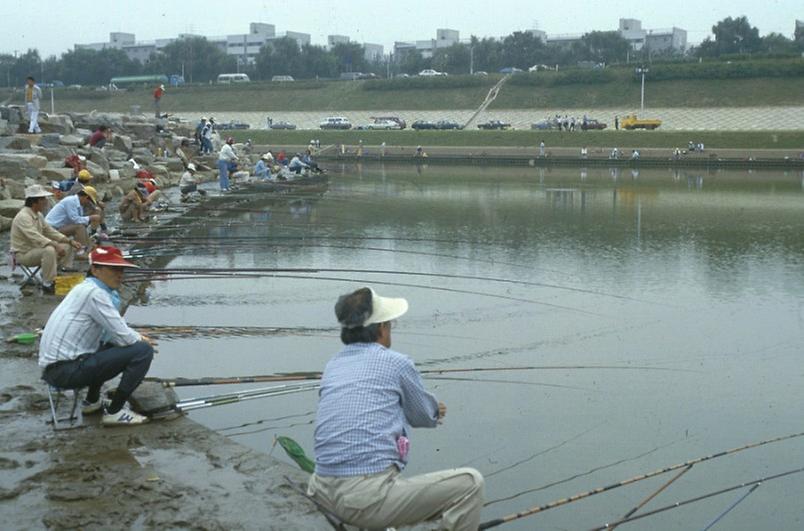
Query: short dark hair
[[30, 77], [29, 201], [103, 128], [352, 310]]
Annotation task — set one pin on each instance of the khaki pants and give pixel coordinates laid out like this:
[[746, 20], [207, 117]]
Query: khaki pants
[[454, 497], [47, 258], [79, 232]]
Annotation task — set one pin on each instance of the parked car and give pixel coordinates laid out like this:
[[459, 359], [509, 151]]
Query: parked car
[[384, 124], [281, 124], [481, 73], [397, 119], [430, 73], [282, 78], [423, 124], [448, 124], [231, 125], [335, 122], [544, 125], [494, 124], [510, 70], [591, 124], [537, 68]]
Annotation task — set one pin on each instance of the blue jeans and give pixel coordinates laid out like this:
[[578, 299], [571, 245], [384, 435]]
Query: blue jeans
[[223, 177], [206, 145], [92, 370]]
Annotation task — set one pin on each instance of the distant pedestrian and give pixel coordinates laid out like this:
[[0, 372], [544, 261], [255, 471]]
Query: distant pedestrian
[[616, 123], [541, 149], [33, 94], [158, 93], [206, 137], [199, 133]]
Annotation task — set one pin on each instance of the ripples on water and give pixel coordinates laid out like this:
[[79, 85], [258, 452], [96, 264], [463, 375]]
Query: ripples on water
[[693, 271]]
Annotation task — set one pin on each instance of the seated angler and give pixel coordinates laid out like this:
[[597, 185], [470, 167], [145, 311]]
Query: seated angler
[[189, 184], [86, 341], [370, 397], [262, 170], [35, 243], [296, 165], [68, 216]]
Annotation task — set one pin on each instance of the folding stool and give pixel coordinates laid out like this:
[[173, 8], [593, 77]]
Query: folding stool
[[75, 419]]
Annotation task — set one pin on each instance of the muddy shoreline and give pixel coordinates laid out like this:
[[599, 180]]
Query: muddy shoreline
[[168, 474]]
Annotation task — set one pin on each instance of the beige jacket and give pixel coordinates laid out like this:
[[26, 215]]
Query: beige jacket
[[29, 231]]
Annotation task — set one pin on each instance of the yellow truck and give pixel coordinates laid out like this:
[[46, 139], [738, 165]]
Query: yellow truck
[[632, 122]]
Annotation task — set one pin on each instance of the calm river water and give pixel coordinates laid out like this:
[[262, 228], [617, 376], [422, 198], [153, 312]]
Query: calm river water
[[690, 283]]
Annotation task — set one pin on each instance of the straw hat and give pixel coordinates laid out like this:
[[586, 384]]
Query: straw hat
[[91, 193], [36, 190]]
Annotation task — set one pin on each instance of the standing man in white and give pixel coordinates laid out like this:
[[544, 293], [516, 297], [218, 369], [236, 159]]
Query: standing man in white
[[33, 94]]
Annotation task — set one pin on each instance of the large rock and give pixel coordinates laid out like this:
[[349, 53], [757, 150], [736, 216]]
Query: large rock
[[56, 123], [12, 189], [97, 171], [57, 174], [153, 398], [122, 143], [5, 223], [24, 159], [115, 155], [50, 140], [10, 207], [127, 172], [58, 153], [98, 157], [15, 142], [175, 165], [72, 140]]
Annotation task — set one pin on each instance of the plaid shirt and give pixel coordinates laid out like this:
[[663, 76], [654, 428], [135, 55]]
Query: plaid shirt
[[369, 396]]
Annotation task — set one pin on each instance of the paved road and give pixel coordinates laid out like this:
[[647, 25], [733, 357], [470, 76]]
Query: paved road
[[724, 118]]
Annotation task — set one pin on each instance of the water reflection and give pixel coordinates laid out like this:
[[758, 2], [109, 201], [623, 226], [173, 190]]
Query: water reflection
[[704, 279]]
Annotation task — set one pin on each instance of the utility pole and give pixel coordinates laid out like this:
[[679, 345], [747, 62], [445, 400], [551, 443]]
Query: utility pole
[[642, 70], [471, 59]]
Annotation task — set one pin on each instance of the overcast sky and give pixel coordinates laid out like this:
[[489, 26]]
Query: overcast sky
[[54, 26]]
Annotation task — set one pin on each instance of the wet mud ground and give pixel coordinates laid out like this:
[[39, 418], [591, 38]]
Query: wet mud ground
[[172, 474]]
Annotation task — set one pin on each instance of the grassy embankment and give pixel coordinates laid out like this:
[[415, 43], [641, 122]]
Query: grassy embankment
[[622, 92], [790, 140]]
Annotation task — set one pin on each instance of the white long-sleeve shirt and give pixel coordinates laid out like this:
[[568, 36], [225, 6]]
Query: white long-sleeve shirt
[[77, 324], [227, 153], [68, 211]]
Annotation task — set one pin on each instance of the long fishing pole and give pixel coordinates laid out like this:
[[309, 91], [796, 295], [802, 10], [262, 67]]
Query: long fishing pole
[[315, 375], [731, 507], [652, 495], [232, 398], [641, 477], [754, 483], [182, 270], [140, 278]]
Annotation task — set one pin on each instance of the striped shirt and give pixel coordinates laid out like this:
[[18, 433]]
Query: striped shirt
[[77, 324], [369, 397]]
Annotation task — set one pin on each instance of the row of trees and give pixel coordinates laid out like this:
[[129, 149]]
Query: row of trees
[[201, 61]]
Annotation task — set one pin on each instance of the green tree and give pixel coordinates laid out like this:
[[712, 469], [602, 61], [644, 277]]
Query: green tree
[[27, 64], [453, 59], [350, 57], [487, 54], [318, 62], [522, 49], [280, 57], [603, 47], [412, 63], [96, 67], [200, 60], [732, 36], [798, 36], [7, 62], [776, 43]]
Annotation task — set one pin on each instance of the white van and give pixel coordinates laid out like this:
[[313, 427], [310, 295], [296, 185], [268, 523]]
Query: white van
[[233, 78]]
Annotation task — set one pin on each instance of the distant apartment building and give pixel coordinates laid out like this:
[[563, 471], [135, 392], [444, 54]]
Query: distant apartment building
[[372, 52], [539, 34], [332, 40], [663, 40], [630, 29], [444, 39], [244, 46]]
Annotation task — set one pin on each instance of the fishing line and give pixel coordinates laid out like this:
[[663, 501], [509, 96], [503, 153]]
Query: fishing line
[[599, 490], [261, 421], [732, 506]]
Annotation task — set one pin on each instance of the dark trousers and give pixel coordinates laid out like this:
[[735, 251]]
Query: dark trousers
[[92, 370]]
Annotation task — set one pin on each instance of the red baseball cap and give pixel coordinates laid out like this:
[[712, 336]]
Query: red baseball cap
[[108, 256]]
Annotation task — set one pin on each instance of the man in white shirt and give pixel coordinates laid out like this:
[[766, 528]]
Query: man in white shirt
[[188, 183], [68, 216], [33, 94], [225, 158], [87, 342]]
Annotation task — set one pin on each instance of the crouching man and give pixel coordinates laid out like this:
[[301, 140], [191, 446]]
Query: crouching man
[[370, 395], [87, 342]]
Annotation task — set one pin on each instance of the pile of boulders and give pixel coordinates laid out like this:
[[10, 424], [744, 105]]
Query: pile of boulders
[[138, 141]]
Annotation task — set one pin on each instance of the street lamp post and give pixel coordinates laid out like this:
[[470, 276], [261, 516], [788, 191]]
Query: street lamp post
[[642, 70]]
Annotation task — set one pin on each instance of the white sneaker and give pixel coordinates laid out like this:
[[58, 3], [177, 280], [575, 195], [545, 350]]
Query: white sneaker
[[124, 417]]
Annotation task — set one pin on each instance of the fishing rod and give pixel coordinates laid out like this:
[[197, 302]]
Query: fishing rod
[[133, 278], [227, 271], [316, 375], [754, 484], [241, 396], [641, 477]]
